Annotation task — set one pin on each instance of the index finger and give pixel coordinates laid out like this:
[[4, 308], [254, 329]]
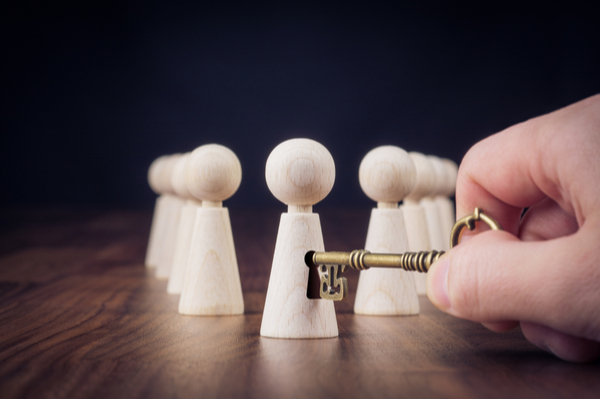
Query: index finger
[[520, 166]]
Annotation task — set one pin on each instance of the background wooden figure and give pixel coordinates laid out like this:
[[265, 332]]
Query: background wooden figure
[[414, 214], [171, 223], [444, 203], [185, 228], [299, 173], [437, 237], [212, 281], [158, 219], [387, 174]]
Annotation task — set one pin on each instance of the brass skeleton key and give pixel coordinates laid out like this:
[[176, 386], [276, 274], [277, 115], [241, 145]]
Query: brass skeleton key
[[335, 288]]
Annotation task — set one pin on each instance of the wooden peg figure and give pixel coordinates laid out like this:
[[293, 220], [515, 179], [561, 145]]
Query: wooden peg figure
[[387, 175], [175, 204], [438, 239], [185, 229], [299, 173], [444, 203], [160, 209], [414, 214], [211, 283]]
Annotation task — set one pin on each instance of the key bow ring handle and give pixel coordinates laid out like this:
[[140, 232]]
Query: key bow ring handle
[[469, 222]]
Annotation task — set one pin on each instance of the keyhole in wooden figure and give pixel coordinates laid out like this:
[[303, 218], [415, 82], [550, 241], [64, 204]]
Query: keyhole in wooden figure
[[314, 277]]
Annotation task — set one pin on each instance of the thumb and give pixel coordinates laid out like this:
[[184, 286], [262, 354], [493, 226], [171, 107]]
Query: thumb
[[495, 277], [468, 280]]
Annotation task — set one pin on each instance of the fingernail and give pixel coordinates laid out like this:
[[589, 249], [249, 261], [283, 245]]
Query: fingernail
[[437, 283]]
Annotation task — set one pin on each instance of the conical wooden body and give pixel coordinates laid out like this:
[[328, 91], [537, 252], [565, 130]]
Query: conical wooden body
[[386, 291], [437, 238], [288, 312], [182, 246], [169, 237], [447, 217], [156, 230], [212, 281], [418, 237]]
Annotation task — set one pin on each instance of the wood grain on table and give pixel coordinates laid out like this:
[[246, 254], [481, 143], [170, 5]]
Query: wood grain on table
[[81, 317]]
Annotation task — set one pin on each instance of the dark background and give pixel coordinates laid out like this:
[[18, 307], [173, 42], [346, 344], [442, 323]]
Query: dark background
[[91, 93]]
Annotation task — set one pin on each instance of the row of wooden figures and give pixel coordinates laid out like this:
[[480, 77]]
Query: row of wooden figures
[[191, 242]]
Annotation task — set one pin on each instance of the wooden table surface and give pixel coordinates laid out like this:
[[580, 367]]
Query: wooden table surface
[[81, 317]]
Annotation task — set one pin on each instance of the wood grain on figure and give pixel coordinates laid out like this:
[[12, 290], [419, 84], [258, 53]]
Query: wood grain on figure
[[387, 175], [414, 214], [185, 227], [211, 283], [444, 203], [172, 214], [158, 219], [299, 173], [437, 238]]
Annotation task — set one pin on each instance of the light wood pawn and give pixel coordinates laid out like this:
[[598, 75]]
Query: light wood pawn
[[437, 236], [444, 203], [175, 204], [387, 175], [211, 284], [299, 173], [158, 219], [185, 229], [414, 214]]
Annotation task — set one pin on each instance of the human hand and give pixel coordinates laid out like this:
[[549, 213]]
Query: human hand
[[542, 271]]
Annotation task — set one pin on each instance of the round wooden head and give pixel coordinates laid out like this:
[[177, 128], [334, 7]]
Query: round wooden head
[[166, 172], [300, 172], [451, 175], [213, 173], [178, 178], [425, 179], [155, 172], [387, 174], [440, 176]]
